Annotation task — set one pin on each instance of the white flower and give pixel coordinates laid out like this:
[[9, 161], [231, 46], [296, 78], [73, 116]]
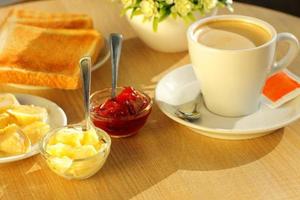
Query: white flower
[[182, 7], [229, 2], [127, 3], [169, 1], [148, 8], [209, 4]]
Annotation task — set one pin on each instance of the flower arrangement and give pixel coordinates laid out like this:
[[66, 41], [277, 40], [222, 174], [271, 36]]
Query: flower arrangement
[[158, 10]]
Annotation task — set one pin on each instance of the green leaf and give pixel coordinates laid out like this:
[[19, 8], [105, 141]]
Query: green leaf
[[191, 17], [174, 15], [155, 24], [124, 10], [186, 19], [138, 12], [164, 13], [133, 13]]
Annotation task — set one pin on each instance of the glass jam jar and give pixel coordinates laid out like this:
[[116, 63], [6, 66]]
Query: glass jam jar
[[122, 116]]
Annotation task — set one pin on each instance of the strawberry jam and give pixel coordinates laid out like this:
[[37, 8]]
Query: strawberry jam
[[123, 115]]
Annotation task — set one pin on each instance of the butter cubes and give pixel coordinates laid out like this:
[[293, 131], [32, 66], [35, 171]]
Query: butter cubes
[[73, 152]]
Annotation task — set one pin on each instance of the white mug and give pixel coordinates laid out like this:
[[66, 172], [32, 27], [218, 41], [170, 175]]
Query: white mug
[[232, 80]]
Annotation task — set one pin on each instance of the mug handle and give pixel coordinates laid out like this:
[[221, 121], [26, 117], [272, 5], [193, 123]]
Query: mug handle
[[289, 56]]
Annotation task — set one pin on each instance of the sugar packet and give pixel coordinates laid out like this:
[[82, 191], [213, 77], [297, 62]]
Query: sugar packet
[[281, 88]]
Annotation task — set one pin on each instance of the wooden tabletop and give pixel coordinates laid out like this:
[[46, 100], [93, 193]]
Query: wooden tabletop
[[165, 160]]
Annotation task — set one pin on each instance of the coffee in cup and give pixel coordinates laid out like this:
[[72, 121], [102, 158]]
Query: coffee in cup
[[232, 34]]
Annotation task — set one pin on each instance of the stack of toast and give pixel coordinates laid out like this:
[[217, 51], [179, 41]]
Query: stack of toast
[[44, 49]]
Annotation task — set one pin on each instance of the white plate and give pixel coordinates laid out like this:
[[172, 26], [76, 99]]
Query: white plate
[[56, 118], [103, 57], [180, 87]]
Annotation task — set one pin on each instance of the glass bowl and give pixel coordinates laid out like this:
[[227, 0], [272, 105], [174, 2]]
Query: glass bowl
[[121, 126], [77, 168]]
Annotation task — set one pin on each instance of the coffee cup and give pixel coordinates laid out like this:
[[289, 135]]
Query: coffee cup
[[232, 56]]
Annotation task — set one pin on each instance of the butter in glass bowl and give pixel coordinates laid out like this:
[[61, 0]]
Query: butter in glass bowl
[[74, 152]]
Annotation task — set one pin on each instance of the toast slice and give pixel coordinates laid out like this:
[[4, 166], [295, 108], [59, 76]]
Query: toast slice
[[45, 57], [50, 20]]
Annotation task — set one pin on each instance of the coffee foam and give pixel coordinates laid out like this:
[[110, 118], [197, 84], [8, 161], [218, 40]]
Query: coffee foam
[[231, 34], [221, 39]]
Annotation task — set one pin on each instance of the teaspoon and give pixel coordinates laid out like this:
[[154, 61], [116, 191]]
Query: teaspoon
[[85, 66], [189, 116], [115, 49], [194, 114]]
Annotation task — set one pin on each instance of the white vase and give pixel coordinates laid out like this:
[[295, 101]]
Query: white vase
[[170, 36]]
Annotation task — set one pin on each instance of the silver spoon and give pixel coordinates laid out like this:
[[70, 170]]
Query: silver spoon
[[115, 49], [189, 116], [85, 66]]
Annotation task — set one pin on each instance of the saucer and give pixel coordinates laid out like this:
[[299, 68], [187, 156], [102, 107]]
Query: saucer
[[180, 87]]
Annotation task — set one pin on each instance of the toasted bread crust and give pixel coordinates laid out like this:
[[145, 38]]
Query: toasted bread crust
[[52, 80], [50, 20], [55, 50], [46, 57]]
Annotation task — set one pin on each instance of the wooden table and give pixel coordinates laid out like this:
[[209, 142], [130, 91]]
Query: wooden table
[[165, 160]]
